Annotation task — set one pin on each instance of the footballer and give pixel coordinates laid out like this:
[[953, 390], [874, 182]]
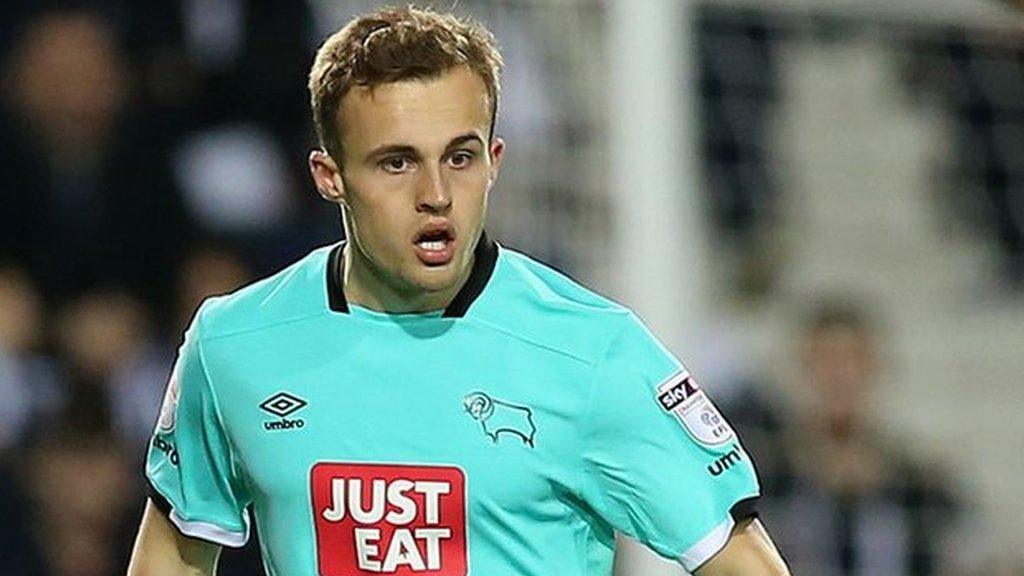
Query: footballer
[[419, 399]]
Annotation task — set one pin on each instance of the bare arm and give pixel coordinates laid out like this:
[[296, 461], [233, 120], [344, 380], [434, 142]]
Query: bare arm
[[749, 552], [160, 550]]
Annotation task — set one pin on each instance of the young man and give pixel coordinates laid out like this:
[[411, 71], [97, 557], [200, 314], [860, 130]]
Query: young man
[[419, 400]]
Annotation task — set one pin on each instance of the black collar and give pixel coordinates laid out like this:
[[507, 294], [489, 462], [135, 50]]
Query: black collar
[[485, 256]]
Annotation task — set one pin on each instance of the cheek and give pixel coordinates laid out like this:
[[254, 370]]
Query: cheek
[[377, 201], [379, 221], [470, 187]]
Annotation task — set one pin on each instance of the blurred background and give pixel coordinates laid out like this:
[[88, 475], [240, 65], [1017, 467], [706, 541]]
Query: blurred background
[[817, 204]]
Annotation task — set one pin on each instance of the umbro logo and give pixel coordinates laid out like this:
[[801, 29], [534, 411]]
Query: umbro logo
[[282, 404]]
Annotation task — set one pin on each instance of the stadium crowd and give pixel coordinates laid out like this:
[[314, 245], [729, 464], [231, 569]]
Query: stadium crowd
[[152, 154]]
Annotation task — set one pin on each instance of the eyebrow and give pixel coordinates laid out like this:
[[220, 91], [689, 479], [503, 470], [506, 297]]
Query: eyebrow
[[405, 149], [465, 138]]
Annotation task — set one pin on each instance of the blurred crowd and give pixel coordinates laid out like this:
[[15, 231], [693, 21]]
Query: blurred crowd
[[974, 78], [152, 154]]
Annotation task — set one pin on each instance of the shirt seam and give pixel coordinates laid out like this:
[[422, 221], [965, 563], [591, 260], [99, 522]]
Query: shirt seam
[[293, 320], [579, 358], [466, 319]]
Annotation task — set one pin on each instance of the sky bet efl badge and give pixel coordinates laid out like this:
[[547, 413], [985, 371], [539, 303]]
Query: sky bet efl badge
[[681, 396], [390, 519]]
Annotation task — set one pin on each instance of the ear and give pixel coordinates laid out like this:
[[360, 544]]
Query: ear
[[497, 152], [327, 176]]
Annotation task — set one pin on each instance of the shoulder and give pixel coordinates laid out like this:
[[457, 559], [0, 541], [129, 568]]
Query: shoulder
[[293, 293], [542, 282], [542, 305]]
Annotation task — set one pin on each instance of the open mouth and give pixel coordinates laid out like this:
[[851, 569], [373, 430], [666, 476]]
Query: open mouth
[[435, 245]]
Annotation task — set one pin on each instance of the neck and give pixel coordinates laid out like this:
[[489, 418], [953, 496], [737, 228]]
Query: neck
[[367, 286]]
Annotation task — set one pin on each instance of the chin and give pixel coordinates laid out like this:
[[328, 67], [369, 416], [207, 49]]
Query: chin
[[439, 278], [436, 280]]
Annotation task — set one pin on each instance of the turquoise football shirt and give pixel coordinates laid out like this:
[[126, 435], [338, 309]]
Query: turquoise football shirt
[[510, 434]]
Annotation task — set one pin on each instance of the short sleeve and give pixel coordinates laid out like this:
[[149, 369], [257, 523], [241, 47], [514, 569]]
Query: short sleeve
[[660, 463], [190, 469]]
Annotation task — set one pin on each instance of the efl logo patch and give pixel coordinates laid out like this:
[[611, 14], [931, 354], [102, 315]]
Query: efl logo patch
[[681, 396], [389, 519]]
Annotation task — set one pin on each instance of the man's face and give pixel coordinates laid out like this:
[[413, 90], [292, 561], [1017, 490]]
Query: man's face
[[414, 179], [840, 367]]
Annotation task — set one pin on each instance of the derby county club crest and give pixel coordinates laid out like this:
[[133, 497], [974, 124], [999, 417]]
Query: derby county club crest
[[497, 417]]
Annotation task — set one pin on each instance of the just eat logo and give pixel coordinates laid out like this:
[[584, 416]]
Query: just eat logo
[[389, 519]]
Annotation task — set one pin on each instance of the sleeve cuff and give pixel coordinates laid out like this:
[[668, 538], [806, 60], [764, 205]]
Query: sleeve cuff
[[713, 542], [708, 546], [197, 529]]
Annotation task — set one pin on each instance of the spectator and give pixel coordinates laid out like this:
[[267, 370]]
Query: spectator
[[28, 379], [79, 483], [854, 505], [116, 372], [85, 197]]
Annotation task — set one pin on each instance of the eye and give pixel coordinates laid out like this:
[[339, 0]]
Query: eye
[[396, 164], [460, 159]]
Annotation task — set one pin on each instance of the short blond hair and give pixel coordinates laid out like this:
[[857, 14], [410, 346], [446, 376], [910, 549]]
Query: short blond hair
[[394, 44]]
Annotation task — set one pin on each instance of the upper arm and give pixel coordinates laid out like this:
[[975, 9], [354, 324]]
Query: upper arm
[[749, 552], [191, 467], [659, 461], [197, 499], [161, 550]]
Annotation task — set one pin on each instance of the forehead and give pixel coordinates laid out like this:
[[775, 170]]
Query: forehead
[[416, 112]]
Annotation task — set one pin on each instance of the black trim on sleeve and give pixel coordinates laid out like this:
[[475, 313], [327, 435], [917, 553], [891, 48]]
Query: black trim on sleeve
[[159, 501], [744, 509], [485, 257]]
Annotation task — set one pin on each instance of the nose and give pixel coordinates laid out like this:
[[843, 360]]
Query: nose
[[432, 194]]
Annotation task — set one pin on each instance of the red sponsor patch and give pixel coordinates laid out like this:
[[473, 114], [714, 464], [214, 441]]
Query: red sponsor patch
[[389, 519]]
